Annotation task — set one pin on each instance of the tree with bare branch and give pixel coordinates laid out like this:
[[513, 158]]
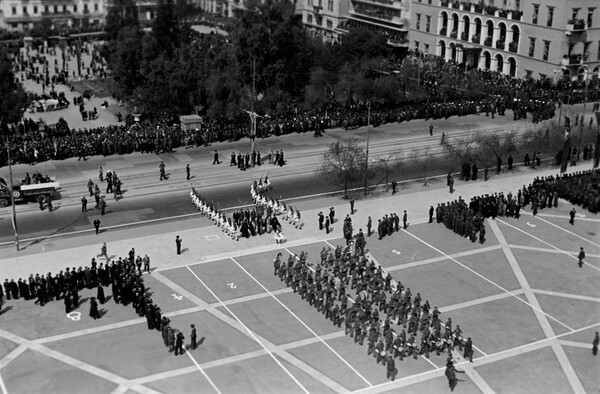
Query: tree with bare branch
[[424, 160], [344, 162]]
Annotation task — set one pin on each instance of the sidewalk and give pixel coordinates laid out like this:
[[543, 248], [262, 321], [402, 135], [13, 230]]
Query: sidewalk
[[208, 243]]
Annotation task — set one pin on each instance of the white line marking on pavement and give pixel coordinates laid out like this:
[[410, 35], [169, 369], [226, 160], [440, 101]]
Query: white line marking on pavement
[[565, 230], [304, 324], [214, 386], [552, 246], [488, 280], [249, 331], [2, 385]]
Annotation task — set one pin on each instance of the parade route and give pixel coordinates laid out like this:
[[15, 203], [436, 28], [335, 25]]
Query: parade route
[[529, 309]]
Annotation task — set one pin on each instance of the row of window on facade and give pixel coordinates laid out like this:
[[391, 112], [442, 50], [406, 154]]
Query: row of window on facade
[[575, 15], [55, 9], [319, 20], [578, 57], [318, 4]]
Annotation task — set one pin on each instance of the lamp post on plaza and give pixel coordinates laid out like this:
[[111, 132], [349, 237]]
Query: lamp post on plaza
[[12, 197], [367, 151]]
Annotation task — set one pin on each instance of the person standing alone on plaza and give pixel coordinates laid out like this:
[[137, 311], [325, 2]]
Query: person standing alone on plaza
[[193, 338], [97, 226], [572, 215], [178, 243], [216, 159], [595, 344], [161, 167], [187, 172], [581, 256]]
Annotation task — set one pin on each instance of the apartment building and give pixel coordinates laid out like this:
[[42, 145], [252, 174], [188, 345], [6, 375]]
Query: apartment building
[[19, 15], [537, 38]]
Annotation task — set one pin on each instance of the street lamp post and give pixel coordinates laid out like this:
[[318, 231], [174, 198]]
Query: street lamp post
[[367, 151], [12, 197]]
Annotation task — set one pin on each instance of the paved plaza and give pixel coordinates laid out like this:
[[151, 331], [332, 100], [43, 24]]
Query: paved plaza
[[531, 311]]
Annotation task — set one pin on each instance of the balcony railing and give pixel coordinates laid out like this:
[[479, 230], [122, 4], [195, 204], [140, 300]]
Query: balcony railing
[[476, 38], [500, 44], [513, 46], [575, 59], [443, 31], [576, 25], [464, 36], [453, 34], [488, 41]]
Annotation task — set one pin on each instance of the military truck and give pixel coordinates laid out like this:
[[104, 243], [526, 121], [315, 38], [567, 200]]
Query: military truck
[[24, 193]]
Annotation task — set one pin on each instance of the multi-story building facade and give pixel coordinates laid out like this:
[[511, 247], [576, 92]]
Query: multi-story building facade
[[388, 17], [323, 17], [19, 15], [537, 38]]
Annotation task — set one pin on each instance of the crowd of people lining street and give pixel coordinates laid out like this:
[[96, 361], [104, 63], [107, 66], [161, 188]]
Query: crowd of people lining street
[[349, 289], [124, 275], [29, 143], [581, 188]]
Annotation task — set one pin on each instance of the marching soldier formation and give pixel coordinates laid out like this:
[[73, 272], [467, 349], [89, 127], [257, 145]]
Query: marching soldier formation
[[348, 289]]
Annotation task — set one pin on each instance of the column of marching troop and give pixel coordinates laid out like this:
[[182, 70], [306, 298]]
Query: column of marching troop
[[219, 218], [375, 310]]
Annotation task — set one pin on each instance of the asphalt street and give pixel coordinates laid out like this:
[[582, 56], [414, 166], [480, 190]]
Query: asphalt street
[[147, 209]]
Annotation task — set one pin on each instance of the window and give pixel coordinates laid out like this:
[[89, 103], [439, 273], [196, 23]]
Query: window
[[14, 10], [96, 6], [575, 12], [586, 48], [309, 18], [56, 9], [428, 23], [329, 24], [528, 73], [571, 46], [85, 7], [418, 21], [417, 43], [426, 49], [308, 3], [64, 8], [550, 16], [546, 50], [428, 1], [46, 9], [531, 46], [518, 4], [24, 10], [35, 10], [74, 7], [590, 16], [536, 12], [329, 5]]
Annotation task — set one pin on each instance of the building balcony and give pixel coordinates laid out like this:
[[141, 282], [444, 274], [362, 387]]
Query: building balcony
[[453, 34], [513, 46], [464, 36], [481, 8], [372, 14], [576, 26], [397, 42], [476, 38], [500, 44], [443, 31], [377, 2], [488, 41], [575, 60]]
